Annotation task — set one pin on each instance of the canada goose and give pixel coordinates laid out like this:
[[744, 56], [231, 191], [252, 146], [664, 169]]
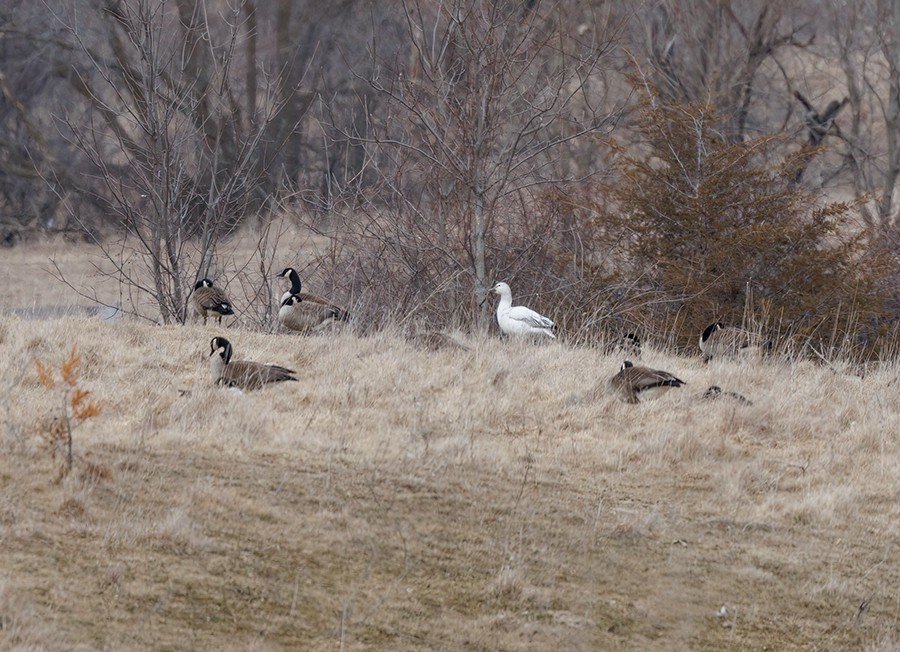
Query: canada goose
[[719, 340], [210, 301], [302, 311], [519, 320], [715, 392], [635, 384], [242, 373]]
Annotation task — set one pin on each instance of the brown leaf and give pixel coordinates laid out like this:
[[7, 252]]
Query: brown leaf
[[69, 369], [45, 374]]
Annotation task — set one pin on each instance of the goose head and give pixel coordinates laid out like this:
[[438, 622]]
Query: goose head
[[291, 274], [501, 288], [292, 300], [712, 328], [221, 347]]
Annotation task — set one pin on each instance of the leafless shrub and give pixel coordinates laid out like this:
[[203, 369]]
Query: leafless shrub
[[177, 157], [481, 111], [703, 50], [77, 408]]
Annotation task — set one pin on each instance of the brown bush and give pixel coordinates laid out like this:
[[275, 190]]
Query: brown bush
[[702, 229]]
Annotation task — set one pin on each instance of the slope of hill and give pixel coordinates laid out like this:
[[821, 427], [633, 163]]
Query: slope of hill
[[398, 498]]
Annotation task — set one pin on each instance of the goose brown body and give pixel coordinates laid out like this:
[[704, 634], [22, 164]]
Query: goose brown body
[[637, 383], [719, 340], [306, 312], [243, 374], [301, 313], [210, 301]]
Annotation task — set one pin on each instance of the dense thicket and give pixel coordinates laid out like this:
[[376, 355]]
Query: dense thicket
[[707, 229], [446, 144]]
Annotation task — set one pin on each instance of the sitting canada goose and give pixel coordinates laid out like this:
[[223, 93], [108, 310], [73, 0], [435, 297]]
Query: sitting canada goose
[[635, 384], [719, 340], [242, 373], [210, 301], [302, 311], [715, 392], [519, 320]]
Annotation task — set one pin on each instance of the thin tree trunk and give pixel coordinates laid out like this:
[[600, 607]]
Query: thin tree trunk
[[479, 231], [892, 114], [252, 82]]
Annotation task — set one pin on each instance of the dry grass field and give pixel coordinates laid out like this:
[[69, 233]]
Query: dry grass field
[[399, 498]]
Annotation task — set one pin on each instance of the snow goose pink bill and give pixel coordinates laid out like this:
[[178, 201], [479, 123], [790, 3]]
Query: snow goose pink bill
[[519, 320]]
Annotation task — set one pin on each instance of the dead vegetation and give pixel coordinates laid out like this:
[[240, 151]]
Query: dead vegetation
[[75, 407], [490, 498]]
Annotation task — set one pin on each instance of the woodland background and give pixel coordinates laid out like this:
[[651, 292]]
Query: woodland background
[[640, 166]]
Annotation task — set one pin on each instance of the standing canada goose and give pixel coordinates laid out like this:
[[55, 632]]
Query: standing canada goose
[[719, 340], [635, 384], [242, 373], [715, 392], [302, 311], [210, 301], [519, 320]]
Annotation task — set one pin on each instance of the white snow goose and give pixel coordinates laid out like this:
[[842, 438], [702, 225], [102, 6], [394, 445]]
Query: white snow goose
[[519, 320]]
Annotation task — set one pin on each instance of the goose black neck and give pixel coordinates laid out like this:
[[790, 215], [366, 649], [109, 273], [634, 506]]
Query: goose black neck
[[296, 286]]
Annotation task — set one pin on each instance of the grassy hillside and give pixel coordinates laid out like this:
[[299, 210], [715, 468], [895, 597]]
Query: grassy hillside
[[402, 498]]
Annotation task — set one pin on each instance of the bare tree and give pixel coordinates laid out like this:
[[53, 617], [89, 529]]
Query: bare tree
[[177, 152], [867, 37], [485, 99], [702, 50], [31, 149], [818, 124]]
